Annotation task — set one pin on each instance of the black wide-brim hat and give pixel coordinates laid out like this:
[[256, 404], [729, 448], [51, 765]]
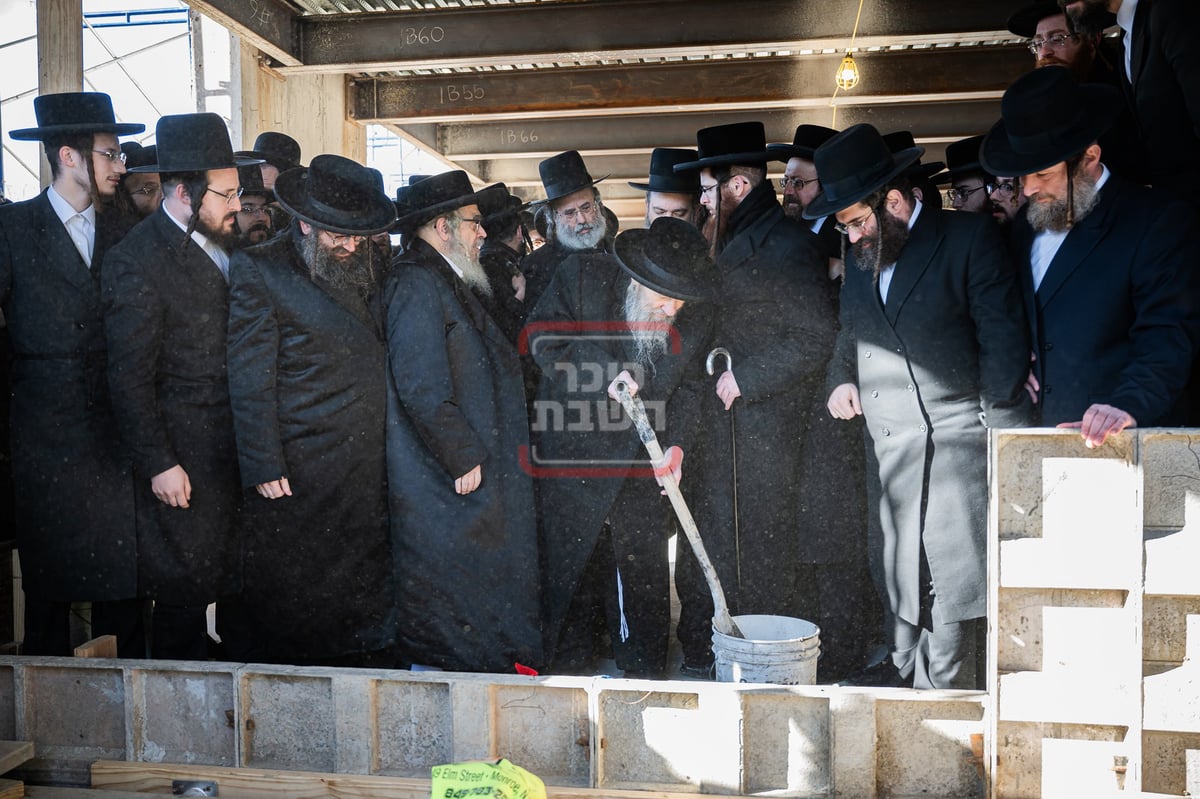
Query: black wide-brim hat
[[71, 113], [193, 143], [1047, 117], [804, 143], [495, 201], [565, 174], [336, 194], [250, 178], [1025, 20], [901, 140], [277, 149], [436, 196], [670, 257], [962, 158], [664, 178], [402, 194], [739, 143], [854, 164], [136, 155]]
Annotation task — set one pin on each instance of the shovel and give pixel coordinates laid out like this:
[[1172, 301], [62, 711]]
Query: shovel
[[722, 621]]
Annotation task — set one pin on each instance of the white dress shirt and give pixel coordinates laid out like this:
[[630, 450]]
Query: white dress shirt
[[1125, 20], [1046, 243], [80, 225], [210, 247]]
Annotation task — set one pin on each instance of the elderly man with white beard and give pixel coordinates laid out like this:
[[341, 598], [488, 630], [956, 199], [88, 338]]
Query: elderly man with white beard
[[575, 220], [644, 317], [464, 540]]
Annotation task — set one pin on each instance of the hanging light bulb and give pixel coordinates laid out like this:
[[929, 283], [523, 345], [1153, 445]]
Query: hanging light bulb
[[847, 73]]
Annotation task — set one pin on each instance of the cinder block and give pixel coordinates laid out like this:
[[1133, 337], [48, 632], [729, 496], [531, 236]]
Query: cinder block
[[1171, 555], [1172, 699], [544, 729], [415, 727], [923, 745], [8, 714], [1171, 463], [786, 744], [1171, 763], [75, 713], [852, 740], [183, 716], [288, 720], [1165, 621], [1019, 621]]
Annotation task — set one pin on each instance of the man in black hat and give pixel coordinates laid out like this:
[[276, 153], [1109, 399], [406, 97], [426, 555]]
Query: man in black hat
[[1107, 267], [669, 193], [776, 320], [72, 483], [308, 383], [801, 185], [575, 220], [253, 221], [166, 307], [501, 254], [463, 531], [970, 185], [278, 153], [142, 188], [644, 317], [1158, 75], [933, 349], [919, 173]]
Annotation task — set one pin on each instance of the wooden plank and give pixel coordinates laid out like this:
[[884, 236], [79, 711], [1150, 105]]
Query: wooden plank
[[13, 754], [245, 783], [56, 792], [104, 646], [11, 789]]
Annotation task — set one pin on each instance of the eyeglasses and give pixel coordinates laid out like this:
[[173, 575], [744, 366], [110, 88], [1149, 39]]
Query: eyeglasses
[[147, 190], [1005, 187], [477, 221], [254, 210], [960, 194], [228, 198], [1057, 42], [111, 155], [711, 187], [857, 224], [342, 240], [796, 183], [570, 214]]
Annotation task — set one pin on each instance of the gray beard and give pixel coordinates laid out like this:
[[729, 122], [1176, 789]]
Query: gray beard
[[571, 240], [1052, 216], [650, 342], [884, 249], [356, 271], [467, 260]]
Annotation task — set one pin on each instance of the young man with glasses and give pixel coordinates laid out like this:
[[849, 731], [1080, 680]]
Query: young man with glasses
[[254, 221], [72, 484], [166, 306], [970, 186], [308, 385], [932, 351]]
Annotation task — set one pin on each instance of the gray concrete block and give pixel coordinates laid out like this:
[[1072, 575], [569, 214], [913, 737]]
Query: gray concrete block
[[75, 712], [8, 700], [415, 727], [1020, 621], [1171, 763], [183, 716], [288, 720], [544, 729], [1165, 627], [924, 746], [1171, 463], [852, 741], [787, 744]]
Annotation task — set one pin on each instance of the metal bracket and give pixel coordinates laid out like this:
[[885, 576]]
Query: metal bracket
[[193, 788]]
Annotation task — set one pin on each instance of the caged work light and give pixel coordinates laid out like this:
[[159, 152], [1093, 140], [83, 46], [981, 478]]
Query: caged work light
[[847, 73]]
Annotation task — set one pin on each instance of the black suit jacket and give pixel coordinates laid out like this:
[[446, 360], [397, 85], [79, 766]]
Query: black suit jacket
[[1114, 317], [1165, 92]]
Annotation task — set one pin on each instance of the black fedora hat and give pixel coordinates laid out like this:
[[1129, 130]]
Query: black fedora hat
[[852, 165], [901, 140], [136, 155], [670, 257], [495, 201], [402, 194], [741, 143], [1025, 20], [250, 178], [436, 196], [193, 143], [335, 194], [962, 158], [663, 176], [804, 143], [565, 174], [1029, 138], [277, 149], [70, 113]]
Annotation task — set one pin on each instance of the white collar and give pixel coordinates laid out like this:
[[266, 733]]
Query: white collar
[[64, 211], [1125, 14]]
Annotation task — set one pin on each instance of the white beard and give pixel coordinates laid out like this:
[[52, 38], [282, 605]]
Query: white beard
[[650, 340]]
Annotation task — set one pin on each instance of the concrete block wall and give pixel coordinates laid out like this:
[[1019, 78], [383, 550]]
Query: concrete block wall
[[1094, 651], [598, 733]]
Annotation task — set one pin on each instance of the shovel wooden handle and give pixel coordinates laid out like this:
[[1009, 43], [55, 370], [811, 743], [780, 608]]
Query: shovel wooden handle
[[722, 621]]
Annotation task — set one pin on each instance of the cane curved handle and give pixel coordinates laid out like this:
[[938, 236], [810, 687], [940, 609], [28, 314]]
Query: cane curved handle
[[713, 355]]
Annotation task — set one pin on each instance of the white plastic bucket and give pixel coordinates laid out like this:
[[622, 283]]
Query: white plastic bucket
[[777, 649]]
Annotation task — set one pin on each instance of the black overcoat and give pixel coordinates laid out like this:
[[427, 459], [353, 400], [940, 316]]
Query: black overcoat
[[585, 448], [166, 310], [944, 359], [774, 317], [466, 565], [73, 486], [308, 383], [1113, 317]]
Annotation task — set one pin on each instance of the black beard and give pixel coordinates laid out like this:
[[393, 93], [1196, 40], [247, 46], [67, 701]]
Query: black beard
[[226, 240], [353, 271], [871, 255], [793, 210]]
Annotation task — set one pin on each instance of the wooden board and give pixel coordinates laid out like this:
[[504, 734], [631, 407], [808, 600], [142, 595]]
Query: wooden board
[[104, 646], [245, 783], [11, 789], [57, 792], [13, 754]]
